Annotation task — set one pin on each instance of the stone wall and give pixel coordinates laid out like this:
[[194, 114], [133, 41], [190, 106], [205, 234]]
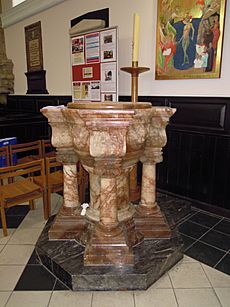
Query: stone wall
[[6, 68]]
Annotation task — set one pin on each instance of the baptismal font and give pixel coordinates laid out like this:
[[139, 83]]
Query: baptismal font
[[116, 245]]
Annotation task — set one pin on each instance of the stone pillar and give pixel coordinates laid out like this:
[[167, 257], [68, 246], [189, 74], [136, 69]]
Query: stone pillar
[[68, 224], [149, 220], [108, 208], [148, 189], [6, 68], [108, 243], [92, 212], [71, 204]]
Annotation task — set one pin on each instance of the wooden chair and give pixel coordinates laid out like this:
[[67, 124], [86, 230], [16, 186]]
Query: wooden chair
[[54, 179], [4, 156], [83, 182], [25, 152], [22, 188], [47, 149]]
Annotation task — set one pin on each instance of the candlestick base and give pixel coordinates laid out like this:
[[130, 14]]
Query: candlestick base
[[134, 70]]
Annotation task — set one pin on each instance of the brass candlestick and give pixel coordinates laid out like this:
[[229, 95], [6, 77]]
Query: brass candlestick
[[134, 71]]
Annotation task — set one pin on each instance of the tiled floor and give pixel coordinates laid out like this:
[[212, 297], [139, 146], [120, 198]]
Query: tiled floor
[[196, 281]]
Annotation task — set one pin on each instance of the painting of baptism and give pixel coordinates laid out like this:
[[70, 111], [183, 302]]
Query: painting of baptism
[[189, 38]]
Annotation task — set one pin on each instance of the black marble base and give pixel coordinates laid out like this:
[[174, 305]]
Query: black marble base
[[153, 258]]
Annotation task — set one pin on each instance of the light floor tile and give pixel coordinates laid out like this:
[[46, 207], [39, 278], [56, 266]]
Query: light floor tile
[[162, 283], [16, 254], [4, 297], [55, 209], [196, 297], [33, 221], [224, 296], [4, 240], [217, 278], [155, 298], [70, 299], [187, 259], [29, 298], [113, 299], [189, 275], [1, 247], [55, 198], [25, 236], [9, 276]]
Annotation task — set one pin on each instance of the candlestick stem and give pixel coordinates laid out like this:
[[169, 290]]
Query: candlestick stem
[[134, 71]]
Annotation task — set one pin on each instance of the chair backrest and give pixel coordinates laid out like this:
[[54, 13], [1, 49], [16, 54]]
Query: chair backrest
[[4, 156], [24, 170], [83, 182], [25, 152], [47, 149], [52, 166]]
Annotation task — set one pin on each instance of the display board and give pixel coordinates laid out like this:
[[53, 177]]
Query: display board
[[94, 65]]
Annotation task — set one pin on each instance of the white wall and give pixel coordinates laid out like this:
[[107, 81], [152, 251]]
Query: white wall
[[56, 49]]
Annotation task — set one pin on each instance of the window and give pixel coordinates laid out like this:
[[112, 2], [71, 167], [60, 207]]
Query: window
[[16, 2]]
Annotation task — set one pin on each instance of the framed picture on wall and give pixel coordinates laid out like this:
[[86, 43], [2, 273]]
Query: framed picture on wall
[[189, 39]]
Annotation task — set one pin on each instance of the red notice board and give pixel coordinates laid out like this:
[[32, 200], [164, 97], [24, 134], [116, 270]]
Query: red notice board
[[94, 65]]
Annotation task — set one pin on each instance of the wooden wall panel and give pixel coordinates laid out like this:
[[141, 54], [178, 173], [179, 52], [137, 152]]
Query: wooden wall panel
[[196, 161]]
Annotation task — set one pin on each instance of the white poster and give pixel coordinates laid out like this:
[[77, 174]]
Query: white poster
[[108, 45], [92, 48], [108, 77], [85, 91], [76, 90], [78, 50], [95, 90], [107, 97]]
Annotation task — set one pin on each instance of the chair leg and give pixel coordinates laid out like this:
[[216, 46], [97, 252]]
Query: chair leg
[[45, 206], [3, 218], [48, 203], [32, 205]]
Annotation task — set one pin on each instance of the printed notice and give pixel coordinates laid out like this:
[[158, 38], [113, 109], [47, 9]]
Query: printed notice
[[87, 72], [76, 90], [95, 90], [78, 50], [92, 48], [85, 91], [105, 97], [108, 77], [108, 45]]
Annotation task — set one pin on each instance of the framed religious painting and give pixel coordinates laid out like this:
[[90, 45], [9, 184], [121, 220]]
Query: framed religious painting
[[189, 39]]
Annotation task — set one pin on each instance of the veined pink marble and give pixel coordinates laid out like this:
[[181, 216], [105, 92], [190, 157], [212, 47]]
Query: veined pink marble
[[109, 139], [70, 193], [148, 188]]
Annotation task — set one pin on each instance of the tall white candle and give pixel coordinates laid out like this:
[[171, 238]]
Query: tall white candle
[[136, 34]]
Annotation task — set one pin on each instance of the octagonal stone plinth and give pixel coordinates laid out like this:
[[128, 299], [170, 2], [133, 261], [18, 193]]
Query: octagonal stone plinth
[[152, 258]]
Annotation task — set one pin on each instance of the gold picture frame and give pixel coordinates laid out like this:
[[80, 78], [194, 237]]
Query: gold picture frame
[[189, 39]]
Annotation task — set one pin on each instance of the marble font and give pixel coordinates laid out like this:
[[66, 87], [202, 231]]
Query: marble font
[[109, 139]]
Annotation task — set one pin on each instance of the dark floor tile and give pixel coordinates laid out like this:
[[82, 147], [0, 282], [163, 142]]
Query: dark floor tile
[[217, 239], [224, 265], [60, 286], [204, 219], [223, 226], [33, 259], [35, 277], [205, 253], [192, 230], [187, 241], [13, 221], [18, 210]]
